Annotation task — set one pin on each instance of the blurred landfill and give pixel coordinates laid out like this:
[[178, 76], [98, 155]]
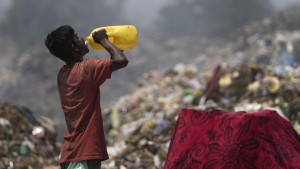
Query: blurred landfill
[[27, 140], [257, 68]]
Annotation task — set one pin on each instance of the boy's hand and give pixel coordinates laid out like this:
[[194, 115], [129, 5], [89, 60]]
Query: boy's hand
[[100, 36]]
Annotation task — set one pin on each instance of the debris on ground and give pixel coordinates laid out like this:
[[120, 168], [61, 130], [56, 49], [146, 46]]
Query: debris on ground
[[27, 140]]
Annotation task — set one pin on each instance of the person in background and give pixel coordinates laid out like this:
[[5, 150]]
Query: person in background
[[78, 85]]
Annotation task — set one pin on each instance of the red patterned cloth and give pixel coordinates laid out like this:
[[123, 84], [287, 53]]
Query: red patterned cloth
[[219, 140]]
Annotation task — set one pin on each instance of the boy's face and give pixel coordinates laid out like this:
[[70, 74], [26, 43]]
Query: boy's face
[[79, 46]]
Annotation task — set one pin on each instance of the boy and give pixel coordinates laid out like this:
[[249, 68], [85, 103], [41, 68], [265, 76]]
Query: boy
[[78, 84]]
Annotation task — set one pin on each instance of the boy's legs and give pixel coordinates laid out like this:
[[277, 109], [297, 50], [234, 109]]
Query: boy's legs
[[94, 164], [88, 164]]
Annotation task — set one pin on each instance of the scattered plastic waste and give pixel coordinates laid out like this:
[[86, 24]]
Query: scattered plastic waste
[[23, 142], [255, 79]]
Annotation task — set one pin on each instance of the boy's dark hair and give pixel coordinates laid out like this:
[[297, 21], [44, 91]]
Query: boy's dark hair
[[59, 42]]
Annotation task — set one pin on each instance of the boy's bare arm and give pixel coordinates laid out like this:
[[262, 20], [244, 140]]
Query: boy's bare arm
[[118, 59]]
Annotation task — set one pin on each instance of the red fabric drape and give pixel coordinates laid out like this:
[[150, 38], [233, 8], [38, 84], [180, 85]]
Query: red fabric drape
[[219, 140]]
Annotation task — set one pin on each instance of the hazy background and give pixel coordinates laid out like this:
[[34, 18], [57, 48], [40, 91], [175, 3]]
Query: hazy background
[[28, 71]]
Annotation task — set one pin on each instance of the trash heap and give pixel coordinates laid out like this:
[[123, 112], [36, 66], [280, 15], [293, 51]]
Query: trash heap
[[27, 140], [142, 123], [259, 71]]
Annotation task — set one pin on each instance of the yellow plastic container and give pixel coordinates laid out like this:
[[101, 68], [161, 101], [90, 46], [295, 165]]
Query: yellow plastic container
[[123, 36]]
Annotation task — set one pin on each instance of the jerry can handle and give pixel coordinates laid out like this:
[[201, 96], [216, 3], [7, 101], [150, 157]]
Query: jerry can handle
[[110, 37]]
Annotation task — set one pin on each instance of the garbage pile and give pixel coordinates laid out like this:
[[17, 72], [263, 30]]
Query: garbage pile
[[142, 122], [27, 140], [257, 71]]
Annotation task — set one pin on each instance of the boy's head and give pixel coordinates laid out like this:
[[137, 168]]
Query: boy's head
[[65, 44]]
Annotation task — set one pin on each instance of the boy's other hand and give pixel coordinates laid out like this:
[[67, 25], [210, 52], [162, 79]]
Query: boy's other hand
[[99, 36]]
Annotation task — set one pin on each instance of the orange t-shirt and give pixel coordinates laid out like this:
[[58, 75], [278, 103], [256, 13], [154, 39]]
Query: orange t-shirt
[[79, 92]]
